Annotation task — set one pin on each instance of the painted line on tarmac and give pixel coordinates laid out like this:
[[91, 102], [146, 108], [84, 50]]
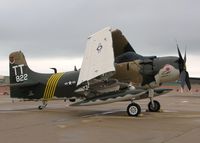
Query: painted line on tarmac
[[102, 113], [185, 101]]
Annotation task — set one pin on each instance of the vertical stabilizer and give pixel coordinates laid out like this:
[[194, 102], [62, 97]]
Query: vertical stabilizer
[[22, 79]]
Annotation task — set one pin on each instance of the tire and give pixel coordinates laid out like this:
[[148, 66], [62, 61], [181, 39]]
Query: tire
[[156, 107], [133, 109], [40, 107]]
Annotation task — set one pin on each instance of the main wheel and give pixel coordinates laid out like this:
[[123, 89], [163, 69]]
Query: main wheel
[[154, 108], [133, 109]]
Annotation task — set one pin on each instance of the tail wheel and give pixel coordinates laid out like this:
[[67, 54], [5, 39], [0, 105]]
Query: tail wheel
[[44, 104], [133, 109], [40, 107], [155, 107]]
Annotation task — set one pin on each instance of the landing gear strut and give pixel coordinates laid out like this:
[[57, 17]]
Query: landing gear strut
[[133, 109], [44, 104], [153, 106]]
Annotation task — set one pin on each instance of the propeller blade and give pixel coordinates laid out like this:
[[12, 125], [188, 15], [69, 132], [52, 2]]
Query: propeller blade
[[179, 53], [184, 75], [185, 58], [187, 80], [182, 78]]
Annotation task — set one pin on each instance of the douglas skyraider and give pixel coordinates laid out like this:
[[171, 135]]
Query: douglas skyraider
[[111, 71]]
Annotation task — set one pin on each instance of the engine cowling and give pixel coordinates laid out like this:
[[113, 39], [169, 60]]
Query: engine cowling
[[167, 74]]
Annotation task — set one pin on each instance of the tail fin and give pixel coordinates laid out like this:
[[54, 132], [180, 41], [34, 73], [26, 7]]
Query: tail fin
[[18, 68], [20, 76]]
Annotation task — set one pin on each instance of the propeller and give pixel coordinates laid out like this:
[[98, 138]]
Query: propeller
[[184, 75]]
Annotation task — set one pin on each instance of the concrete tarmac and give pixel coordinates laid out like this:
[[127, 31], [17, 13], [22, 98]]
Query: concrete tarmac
[[178, 121]]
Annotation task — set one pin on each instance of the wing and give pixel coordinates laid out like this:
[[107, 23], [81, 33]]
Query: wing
[[99, 57], [124, 95], [111, 97], [120, 43], [101, 50]]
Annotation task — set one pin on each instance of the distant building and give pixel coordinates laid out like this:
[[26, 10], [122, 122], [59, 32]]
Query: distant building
[[5, 90], [4, 79]]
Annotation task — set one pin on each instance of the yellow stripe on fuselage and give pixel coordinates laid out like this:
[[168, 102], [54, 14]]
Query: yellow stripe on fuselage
[[51, 86]]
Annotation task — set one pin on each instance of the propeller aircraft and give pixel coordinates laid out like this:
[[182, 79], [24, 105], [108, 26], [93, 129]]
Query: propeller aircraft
[[111, 71]]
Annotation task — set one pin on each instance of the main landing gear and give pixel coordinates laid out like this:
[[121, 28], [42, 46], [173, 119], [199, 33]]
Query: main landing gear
[[44, 104], [134, 109], [153, 106]]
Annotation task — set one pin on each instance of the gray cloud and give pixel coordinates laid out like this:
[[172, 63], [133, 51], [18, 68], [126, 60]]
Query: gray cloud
[[59, 28]]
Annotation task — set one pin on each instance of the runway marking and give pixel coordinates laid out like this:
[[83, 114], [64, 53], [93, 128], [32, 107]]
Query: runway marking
[[62, 126], [185, 101], [111, 112], [103, 113], [51, 86], [170, 111]]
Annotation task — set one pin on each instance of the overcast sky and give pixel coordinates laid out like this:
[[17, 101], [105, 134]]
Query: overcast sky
[[53, 33]]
